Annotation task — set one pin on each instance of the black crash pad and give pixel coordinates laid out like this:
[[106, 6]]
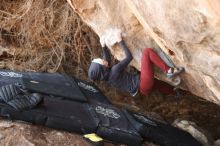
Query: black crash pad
[[160, 132], [59, 114], [53, 84], [77, 106], [91, 92], [114, 125]]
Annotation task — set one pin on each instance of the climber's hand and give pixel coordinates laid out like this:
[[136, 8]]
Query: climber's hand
[[117, 35], [112, 36]]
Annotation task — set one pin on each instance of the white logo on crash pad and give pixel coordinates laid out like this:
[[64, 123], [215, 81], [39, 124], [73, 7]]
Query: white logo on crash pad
[[107, 112], [10, 74], [87, 87]]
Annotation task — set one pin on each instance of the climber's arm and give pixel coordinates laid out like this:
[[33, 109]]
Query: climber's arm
[[124, 63], [106, 55]]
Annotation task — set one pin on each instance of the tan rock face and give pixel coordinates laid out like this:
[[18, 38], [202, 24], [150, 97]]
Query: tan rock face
[[186, 30]]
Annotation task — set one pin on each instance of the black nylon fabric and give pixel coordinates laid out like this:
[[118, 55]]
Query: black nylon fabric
[[91, 92], [53, 84], [114, 125], [66, 115], [159, 132], [8, 92], [12, 95], [25, 102], [57, 85]]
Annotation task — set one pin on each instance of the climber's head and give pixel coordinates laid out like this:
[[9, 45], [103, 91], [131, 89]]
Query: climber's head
[[97, 69]]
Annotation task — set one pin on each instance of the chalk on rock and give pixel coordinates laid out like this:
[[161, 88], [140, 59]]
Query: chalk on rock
[[111, 37]]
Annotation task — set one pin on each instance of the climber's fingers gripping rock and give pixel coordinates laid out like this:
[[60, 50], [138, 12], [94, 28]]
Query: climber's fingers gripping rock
[[111, 37]]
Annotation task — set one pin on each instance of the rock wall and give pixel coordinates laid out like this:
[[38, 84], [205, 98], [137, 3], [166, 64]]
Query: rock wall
[[186, 30]]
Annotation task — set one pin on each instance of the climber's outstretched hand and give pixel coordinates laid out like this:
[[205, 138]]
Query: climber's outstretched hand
[[110, 37]]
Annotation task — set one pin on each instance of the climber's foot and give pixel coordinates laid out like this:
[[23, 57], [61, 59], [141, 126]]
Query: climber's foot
[[173, 71], [174, 81]]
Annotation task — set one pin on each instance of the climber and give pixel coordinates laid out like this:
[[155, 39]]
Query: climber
[[116, 76]]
